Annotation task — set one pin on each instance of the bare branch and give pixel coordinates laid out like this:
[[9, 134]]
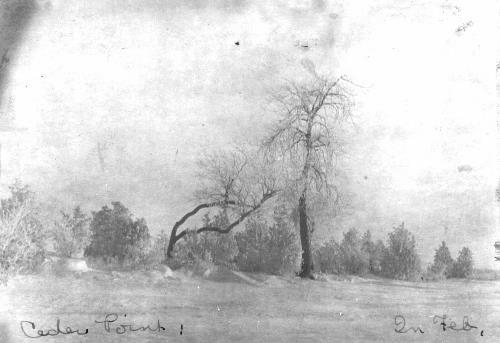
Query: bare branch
[[235, 180], [235, 223], [308, 134]]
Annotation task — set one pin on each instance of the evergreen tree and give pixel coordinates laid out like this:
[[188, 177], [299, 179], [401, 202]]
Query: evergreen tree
[[463, 267], [443, 262], [116, 234], [400, 259]]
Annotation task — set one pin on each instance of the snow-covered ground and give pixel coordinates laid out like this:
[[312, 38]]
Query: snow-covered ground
[[245, 307]]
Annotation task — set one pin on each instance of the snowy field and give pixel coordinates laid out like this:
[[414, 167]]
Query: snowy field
[[245, 308]]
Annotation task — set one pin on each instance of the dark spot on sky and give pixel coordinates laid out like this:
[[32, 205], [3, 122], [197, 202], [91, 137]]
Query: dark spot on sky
[[237, 43], [305, 44], [464, 168]]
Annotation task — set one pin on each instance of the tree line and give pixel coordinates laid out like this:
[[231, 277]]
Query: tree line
[[113, 237], [291, 171]]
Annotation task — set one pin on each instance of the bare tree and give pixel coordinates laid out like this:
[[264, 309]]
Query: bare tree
[[237, 182], [307, 139]]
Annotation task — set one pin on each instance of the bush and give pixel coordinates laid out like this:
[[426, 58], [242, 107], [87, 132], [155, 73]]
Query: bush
[[283, 247], [139, 255], [463, 266], [252, 246], [328, 258], [22, 235], [400, 260], [71, 234], [443, 262], [268, 248], [213, 247], [354, 259], [117, 236], [354, 255], [375, 252]]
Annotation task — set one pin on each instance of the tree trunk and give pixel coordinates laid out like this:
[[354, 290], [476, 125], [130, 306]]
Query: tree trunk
[[305, 240], [171, 243]]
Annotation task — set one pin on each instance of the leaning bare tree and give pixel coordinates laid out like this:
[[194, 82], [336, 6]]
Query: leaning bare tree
[[307, 139], [237, 182]]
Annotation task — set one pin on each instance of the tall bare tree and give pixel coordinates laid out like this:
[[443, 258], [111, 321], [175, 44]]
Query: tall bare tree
[[307, 139], [237, 182]]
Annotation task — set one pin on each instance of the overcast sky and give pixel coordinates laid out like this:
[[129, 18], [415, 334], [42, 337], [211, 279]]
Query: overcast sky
[[153, 85]]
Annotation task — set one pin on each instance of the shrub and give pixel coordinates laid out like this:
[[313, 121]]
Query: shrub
[[71, 234], [328, 258], [137, 256], [400, 260], [355, 260], [216, 248], [375, 252], [443, 262], [22, 235], [463, 266], [117, 236], [252, 245], [268, 248], [353, 256], [283, 246]]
